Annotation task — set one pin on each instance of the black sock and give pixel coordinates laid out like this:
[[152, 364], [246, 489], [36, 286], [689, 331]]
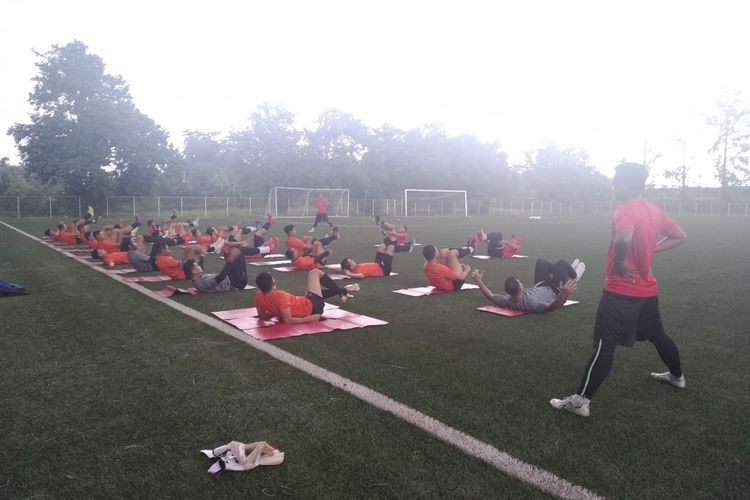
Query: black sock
[[321, 259], [267, 226]]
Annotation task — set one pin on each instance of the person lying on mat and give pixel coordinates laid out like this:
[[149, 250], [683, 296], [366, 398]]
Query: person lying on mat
[[161, 259], [442, 269], [132, 251], [315, 256], [503, 249], [304, 245], [554, 284], [272, 302], [400, 236], [381, 267], [232, 277]]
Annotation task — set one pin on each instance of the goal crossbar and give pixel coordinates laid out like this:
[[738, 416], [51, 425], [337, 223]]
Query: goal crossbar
[[452, 191]]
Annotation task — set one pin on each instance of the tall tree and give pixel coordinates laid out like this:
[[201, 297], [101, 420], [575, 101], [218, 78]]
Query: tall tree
[[731, 149], [555, 173], [85, 131]]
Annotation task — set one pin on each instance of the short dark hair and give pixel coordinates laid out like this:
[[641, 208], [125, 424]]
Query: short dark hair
[[157, 247], [429, 252], [288, 229], [94, 254], [289, 253], [46, 232], [264, 281], [346, 264], [511, 286], [631, 175], [60, 227], [150, 222], [187, 268], [96, 233], [125, 243], [210, 230]]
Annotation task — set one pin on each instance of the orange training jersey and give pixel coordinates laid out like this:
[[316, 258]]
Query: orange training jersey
[[170, 266], [206, 240], [305, 263], [108, 246], [439, 275], [371, 269], [116, 258], [276, 300], [296, 243]]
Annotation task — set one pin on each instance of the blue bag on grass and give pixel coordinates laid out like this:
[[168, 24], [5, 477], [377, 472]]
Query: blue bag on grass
[[8, 289]]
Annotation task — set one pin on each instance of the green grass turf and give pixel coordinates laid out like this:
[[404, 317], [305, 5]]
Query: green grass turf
[[487, 375]]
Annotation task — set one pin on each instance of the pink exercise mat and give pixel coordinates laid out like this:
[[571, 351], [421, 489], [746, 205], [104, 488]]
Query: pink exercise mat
[[431, 290], [334, 319], [506, 311]]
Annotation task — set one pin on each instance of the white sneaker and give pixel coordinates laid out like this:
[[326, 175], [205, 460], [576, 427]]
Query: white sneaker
[[670, 379], [354, 287], [312, 230], [579, 267], [574, 404]]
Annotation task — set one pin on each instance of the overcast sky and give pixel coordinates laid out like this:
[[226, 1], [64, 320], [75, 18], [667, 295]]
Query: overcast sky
[[598, 75]]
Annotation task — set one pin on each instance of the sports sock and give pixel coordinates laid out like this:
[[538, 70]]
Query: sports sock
[[264, 249], [327, 282], [321, 259]]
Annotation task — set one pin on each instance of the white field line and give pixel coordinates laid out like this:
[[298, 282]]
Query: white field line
[[530, 474]]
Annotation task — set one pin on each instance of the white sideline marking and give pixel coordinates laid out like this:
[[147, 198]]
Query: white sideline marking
[[530, 474]]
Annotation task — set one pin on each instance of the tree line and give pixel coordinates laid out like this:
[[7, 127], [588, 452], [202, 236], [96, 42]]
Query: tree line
[[87, 137]]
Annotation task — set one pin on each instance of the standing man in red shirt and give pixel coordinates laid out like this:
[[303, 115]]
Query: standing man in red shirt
[[321, 215], [629, 307]]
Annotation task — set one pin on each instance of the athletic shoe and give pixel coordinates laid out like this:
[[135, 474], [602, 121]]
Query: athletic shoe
[[354, 287], [273, 242], [575, 263], [134, 231], [334, 232], [111, 265], [270, 219], [195, 222], [670, 379], [345, 297], [411, 245], [574, 404], [312, 230]]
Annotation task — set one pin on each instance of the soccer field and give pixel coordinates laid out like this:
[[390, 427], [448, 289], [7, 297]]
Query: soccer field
[[107, 393]]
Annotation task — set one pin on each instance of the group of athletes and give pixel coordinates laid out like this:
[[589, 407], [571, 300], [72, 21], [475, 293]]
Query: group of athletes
[[628, 309]]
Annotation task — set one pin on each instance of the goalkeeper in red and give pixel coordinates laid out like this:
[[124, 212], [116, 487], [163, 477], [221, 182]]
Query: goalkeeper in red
[[321, 214]]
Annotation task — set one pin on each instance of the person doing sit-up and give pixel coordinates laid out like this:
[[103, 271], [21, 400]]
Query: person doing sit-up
[[272, 302]]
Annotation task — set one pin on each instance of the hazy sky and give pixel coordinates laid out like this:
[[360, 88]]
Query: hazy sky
[[598, 75]]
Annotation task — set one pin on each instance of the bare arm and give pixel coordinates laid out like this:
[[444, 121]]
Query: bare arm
[[675, 239], [566, 289], [285, 316], [265, 315], [465, 270], [353, 275], [477, 277], [623, 239]]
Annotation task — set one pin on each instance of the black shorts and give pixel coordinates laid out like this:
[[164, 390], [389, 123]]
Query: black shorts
[[385, 262], [496, 252], [624, 319], [321, 218], [317, 302], [457, 284]]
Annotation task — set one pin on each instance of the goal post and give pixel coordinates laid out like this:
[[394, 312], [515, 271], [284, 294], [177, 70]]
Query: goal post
[[438, 202], [297, 202]]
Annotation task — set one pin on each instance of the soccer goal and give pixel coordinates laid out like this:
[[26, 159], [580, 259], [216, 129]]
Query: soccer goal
[[303, 202], [436, 202]]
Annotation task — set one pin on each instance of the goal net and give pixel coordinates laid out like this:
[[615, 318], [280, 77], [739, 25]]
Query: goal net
[[303, 202], [435, 202]]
